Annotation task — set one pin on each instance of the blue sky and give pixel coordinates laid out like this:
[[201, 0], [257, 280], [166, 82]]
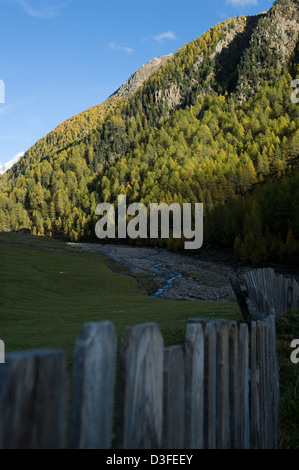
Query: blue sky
[[60, 57]]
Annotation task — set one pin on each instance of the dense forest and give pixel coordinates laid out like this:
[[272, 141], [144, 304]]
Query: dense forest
[[214, 124]]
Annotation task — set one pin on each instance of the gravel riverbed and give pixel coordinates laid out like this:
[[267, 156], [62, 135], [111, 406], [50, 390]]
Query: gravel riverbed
[[181, 277]]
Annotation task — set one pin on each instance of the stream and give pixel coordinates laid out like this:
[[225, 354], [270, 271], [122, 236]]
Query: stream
[[163, 274]]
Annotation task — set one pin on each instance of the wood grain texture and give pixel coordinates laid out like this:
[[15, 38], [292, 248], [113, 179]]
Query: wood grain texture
[[33, 400], [140, 388], [210, 386], [243, 352], [222, 379], [93, 387], [174, 398], [234, 386], [194, 395]]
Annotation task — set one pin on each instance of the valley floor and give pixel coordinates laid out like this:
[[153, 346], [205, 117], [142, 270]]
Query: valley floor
[[178, 276]]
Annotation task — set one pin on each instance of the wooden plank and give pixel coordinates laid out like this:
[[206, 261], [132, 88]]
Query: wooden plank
[[275, 379], [260, 360], [140, 398], [194, 386], [262, 280], [272, 374], [93, 386], [257, 315], [241, 299], [271, 291], [210, 386], [254, 395], [233, 386], [255, 299], [243, 351], [268, 389], [222, 379], [33, 400], [174, 398]]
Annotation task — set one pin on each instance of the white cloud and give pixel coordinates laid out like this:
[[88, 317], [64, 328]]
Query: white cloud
[[116, 47], [43, 8], [241, 3], [167, 35], [5, 109]]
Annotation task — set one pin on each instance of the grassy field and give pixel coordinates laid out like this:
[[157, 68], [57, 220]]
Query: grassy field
[[48, 291]]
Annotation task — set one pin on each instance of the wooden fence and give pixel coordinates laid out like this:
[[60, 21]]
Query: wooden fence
[[273, 295], [221, 390], [265, 294]]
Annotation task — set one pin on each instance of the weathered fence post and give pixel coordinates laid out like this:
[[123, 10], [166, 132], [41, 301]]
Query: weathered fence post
[[241, 298], [243, 351], [268, 388], [33, 400], [222, 380], [194, 386], [174, 399], [234, 386], [93, 387], [140, 399], [210, 386], [254, 400], [260, 359]]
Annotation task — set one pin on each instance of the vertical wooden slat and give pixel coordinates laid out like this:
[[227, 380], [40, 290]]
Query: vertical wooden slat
[[243, 352], [260, 359], [140, 389], [210, 386], [254, 396], [272, 378], [174, 398], [241, 299], [33, 400], [93, 386], [233, 386], [194, 386], [222, 397], [269, 388]]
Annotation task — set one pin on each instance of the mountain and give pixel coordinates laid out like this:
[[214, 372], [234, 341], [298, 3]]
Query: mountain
[[213, 122], [11, 162], [136, 80]]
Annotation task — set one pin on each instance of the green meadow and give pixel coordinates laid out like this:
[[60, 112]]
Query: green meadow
[[49, 290]]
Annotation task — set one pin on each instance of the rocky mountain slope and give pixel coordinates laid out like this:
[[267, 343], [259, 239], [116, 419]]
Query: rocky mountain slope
[[212, 122], [137, 78]]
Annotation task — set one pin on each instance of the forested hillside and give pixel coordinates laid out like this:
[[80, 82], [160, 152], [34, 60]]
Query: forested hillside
[[214, 124]]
